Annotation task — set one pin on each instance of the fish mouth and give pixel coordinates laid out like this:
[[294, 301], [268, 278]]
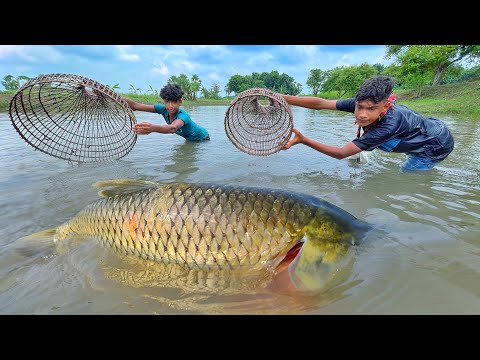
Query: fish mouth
[[291, 254], [282, 281]]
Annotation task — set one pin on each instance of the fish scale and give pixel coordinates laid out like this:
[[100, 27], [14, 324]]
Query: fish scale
[[206, 225]]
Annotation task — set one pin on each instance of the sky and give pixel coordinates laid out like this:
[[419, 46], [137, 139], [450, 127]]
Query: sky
[[143, 66]]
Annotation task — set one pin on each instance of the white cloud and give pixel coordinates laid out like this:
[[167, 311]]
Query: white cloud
[[7, 50], [214, 77], [159, 69], [260, 58], [170, 53], [32, 53], [185, 64], [124, 54], [302, 50]]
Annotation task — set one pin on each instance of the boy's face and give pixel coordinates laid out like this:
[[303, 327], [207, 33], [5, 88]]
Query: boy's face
[[172, 106], [367, 111]]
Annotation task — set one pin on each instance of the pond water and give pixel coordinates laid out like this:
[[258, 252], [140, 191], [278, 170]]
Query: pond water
[[426, 260]]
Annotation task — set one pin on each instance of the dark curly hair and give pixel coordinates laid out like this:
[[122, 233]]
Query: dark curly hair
[[376, 89], [171, 92]]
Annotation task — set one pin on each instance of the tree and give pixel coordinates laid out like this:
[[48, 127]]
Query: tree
[[195, 85], [274, 81], [185, 84], [472, 73], [10, 82], [215, 91], [346, 80], [316, 79], [409, 76], [205, 92], [380, 68], [453, 74], [234, 84], [435, 59]]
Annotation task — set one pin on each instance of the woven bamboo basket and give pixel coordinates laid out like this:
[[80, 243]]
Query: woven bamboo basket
[[255, 128], [73, 118]]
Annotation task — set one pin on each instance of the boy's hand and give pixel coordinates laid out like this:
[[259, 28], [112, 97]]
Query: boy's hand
[[296, 140], [143, 128]]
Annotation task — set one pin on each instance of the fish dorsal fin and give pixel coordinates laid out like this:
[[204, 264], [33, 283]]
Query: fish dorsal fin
[[122, 186]]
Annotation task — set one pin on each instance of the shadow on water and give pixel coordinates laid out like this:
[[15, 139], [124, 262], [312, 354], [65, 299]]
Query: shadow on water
[[183, 159]]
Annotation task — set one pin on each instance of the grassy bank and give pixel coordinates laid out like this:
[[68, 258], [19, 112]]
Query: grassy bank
[[459, 100], [5, 97]]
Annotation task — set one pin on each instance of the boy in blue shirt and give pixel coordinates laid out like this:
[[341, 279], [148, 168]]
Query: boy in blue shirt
[[178, 120], [387, 126]]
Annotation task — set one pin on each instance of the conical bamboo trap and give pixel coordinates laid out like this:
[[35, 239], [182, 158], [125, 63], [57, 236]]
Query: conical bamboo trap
[[73, 118], [258, 129]]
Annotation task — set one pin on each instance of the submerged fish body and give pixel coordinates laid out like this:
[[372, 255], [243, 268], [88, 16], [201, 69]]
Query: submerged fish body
[[208, 226]]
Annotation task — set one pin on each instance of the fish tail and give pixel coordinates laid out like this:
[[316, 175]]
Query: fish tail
[[36, 243], [44, 241]]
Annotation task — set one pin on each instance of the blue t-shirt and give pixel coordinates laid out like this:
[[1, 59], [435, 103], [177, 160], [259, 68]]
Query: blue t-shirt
[[190, 130], [402, 130]]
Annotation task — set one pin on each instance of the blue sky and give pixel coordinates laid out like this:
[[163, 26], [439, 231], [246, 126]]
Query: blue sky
[[152, 65]]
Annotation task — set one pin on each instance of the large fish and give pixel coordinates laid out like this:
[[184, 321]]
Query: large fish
[[208, 226]]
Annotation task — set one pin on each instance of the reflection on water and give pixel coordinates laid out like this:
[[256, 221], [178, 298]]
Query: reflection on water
[[182, 159], [127, 283], [210, 292], [423, 259]]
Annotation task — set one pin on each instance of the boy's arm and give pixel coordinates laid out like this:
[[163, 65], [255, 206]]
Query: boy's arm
[[146, 128], [138, 106], [333, 151], [311, 102]]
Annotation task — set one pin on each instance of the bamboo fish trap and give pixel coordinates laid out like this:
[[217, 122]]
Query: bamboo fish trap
[[73, 118], [258, 129]]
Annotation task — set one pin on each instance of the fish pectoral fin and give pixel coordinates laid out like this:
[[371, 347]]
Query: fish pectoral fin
[[319, 263], [122, 186]]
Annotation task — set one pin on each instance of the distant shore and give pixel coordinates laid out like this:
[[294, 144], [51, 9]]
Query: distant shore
[[458, 99]]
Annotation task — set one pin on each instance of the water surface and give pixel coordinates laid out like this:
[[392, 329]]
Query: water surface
[[425, 262]]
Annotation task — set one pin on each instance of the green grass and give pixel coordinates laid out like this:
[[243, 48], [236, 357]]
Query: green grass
[[5, 97], [460, 99], [330, 95]]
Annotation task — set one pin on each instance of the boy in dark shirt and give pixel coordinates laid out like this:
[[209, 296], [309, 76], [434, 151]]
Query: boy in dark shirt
[[385, 125]]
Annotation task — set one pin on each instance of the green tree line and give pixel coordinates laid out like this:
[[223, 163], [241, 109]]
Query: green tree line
[[413, 67]]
